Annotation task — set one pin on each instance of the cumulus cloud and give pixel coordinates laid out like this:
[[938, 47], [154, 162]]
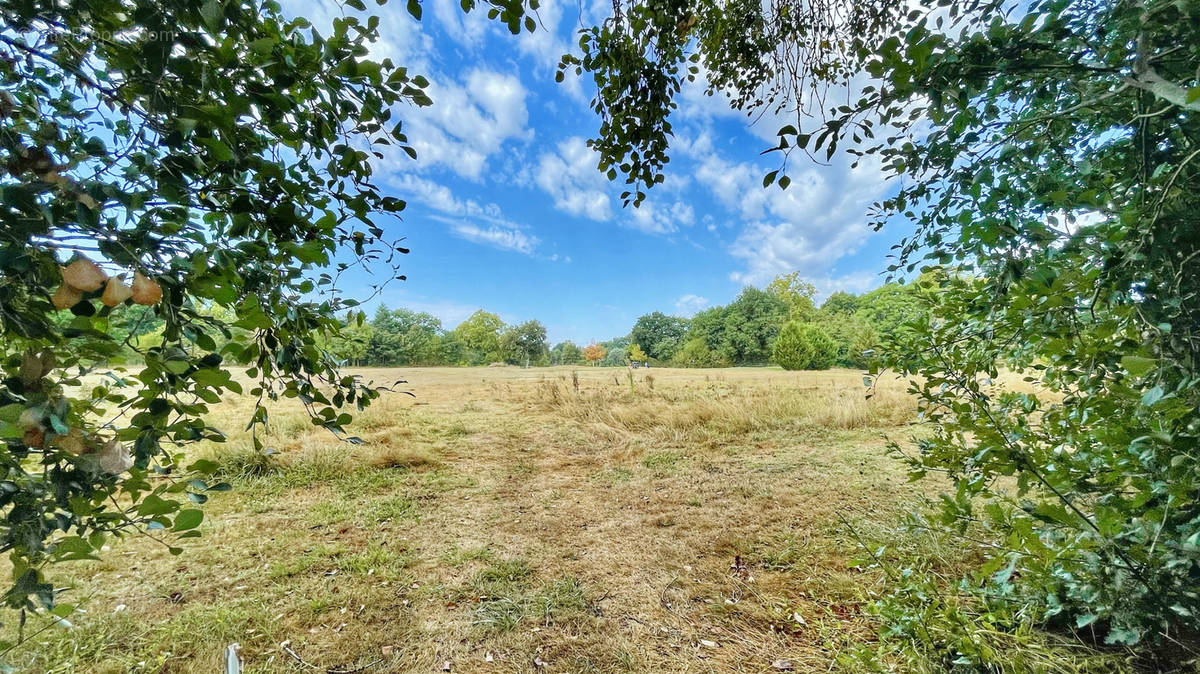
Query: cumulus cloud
[[689, 304], [570, 177], [818, 220], [469, 121], [654, 218]]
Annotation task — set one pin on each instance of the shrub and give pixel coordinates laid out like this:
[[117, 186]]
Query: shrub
[[803, 346], [695, 353]]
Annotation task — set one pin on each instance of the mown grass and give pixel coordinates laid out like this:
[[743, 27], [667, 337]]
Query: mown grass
[[509, 520]]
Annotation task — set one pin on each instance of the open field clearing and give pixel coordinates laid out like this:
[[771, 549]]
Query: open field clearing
[[509, 520]]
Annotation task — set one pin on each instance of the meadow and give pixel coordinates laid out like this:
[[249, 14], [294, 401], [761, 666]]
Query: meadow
[[567, 519]]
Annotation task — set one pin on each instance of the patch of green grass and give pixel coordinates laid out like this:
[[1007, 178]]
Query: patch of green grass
[[504, 577], [562, 600], [374, 559], [457, 556], [506, 598], [498, 615], [365, 512], [782, 555], [614, 476], [296, 565], [663, 461]]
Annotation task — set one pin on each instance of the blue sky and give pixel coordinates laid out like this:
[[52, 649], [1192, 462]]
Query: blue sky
[[508, 213]]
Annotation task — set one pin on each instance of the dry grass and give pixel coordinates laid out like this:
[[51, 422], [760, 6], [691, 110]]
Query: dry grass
[[502, 518]]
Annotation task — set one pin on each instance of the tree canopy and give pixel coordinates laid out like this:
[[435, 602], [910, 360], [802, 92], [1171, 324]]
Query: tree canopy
[[163, 161]]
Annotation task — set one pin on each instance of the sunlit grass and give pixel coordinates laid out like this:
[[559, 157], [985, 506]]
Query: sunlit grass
[[503, 515]]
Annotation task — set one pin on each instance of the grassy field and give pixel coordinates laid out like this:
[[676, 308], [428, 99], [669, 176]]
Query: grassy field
[[509, 520]]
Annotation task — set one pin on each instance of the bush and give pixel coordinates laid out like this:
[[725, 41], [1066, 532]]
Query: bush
[[695, 353], [803, 346]]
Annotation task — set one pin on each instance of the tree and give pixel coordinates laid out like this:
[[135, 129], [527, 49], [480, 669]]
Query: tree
[[840, 303], [196, 154], [659, 334], [525, 343], [480, 337], [565, 353], [709, 325], [891, 308], [594, 353], [855, 339], [636, 354], [796, 293], [1049, 164], [751, 323], [803, 346], [404, 337]]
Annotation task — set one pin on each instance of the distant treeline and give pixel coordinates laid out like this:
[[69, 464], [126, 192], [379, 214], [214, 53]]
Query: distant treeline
[[776, 324]]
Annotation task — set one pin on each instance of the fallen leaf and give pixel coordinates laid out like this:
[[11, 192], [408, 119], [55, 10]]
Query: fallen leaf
[[783, 665]]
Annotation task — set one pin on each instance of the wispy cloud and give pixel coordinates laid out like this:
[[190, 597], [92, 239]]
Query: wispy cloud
[[497, 237]]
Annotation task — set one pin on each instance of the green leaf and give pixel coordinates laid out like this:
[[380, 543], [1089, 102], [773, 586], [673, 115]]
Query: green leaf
[[219, 150], [1137, 365], [212, 13], [188, 519], [1149, 398]]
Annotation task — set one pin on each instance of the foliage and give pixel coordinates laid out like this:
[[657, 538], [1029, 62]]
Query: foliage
[[890, 308], [659, 334], [796, 293], [480, 337], [803, 346], [1049, 160], [594, 353], [751, 323], [566, 353], [216, 155], [855, 340], [695, 353], [352, 341], [636, 354], [709, 325], [841, 303], [524, 344], [404, 337]]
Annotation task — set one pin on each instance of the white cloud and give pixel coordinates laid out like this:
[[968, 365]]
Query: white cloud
[[497, 236], [856, 282], [689, 304], [469, 122], [466, 28], [571, 179], [481, 223], [653, 218], [440, 198], [819, 219]]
